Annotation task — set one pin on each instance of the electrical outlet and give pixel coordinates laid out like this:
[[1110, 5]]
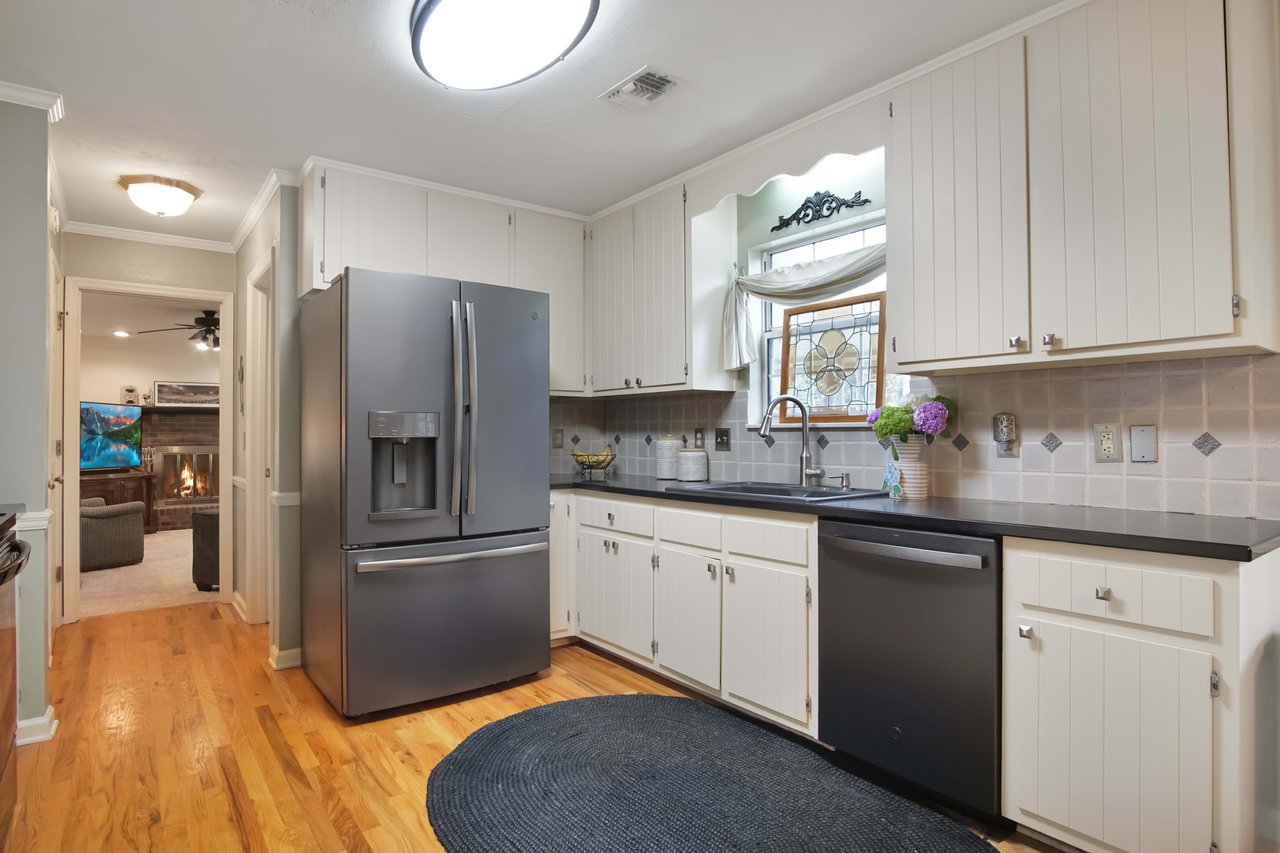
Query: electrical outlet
[[1142, 443], [557, 439], [1107, 444], [722, 439], [700, 437]]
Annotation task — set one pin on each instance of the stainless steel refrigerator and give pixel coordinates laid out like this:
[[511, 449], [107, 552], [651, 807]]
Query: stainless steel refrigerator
[[424, 488]]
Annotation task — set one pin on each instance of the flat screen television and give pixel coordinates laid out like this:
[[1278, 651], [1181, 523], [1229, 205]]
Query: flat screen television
[[110, 436]]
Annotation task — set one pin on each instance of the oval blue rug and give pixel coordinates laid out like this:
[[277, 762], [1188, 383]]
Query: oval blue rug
[[661, 773]]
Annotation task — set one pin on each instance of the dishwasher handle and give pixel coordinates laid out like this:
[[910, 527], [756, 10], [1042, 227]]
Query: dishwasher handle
[[976, 562]]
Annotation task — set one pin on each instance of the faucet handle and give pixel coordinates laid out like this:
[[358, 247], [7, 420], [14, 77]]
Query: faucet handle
[[814, 476]]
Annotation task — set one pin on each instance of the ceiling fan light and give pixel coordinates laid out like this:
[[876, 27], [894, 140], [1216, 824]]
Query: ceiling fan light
[[120, 333], [159, 196], [487, 44], [202, 346]]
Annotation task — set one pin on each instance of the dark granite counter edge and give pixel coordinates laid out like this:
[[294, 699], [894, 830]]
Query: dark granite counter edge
[[848, 511]]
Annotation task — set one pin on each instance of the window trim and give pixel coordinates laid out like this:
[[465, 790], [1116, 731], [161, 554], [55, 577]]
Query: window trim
[[877, 296]]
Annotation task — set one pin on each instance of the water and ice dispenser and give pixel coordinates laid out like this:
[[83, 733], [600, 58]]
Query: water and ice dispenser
[[405, 447]]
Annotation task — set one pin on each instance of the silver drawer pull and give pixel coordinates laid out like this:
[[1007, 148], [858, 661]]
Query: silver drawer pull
[[615, 547], [1026, 632], [1102, 593], [605, 543], [711, 569], [610, 518], [728, 571], [1049, 339], [1015, 342]]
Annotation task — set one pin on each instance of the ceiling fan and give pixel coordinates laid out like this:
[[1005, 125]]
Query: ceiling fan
[[207, 328]]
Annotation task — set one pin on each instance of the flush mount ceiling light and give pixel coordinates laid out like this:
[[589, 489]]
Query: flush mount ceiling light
[[120, 333], [159, 196], [488, 44]]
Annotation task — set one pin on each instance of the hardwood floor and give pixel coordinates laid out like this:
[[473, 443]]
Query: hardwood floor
[[176, 735]]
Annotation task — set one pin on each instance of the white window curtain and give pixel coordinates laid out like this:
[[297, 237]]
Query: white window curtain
[[801, 284]]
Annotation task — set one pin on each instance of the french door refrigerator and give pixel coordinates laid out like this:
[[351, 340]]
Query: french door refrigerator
[[424, 560]]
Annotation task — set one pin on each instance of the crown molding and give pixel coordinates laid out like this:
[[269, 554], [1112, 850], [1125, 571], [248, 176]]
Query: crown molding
[[276, 178], [115, 233], [1017, 28], [26, 96], [313, 161]]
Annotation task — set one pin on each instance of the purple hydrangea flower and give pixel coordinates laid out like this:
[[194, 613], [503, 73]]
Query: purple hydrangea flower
[[930, 418], [873, 417]]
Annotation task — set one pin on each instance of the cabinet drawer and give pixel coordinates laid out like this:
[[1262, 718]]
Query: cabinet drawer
[[617, 516], [775, 541], [686, 527], [1173, 601]]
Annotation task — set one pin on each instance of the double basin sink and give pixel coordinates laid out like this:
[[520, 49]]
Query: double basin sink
[[777, 491]]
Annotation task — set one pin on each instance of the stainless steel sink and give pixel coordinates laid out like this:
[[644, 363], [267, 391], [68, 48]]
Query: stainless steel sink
[[783, 491]]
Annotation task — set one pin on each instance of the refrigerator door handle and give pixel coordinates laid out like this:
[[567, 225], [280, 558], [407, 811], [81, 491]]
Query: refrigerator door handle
[[413, 562], [474, 410], [455, 506]]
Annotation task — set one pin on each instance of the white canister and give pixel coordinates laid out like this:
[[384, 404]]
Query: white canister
[[694, 465], [669, 448]]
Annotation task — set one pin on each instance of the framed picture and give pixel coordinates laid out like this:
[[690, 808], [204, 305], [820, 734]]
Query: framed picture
[[202, 395]]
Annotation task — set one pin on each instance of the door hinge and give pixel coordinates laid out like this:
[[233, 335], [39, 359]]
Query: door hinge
[[1235, 305], [322, 182], [268, 473], [684, 194], [57, 447], [57, 574], [653, 561], [62, 320], [579, 617], [808, 704], [510, 219], [1213, 847], [568, 617], [895, 343], [322, 269], [686, 370], [1215, 684], [808, 593], [653, 646]]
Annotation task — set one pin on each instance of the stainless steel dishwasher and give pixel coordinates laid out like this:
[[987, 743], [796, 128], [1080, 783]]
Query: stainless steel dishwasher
[[909, 656]]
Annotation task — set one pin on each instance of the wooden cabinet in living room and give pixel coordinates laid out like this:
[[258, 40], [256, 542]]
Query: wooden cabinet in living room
[[549, 258]]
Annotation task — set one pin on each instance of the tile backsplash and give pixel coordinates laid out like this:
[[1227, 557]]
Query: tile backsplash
[[1218, 446]]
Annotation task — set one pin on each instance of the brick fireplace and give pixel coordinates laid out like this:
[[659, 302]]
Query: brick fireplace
[[183, 444]]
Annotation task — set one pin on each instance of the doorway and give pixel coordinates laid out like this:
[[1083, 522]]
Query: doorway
[[181, 481]]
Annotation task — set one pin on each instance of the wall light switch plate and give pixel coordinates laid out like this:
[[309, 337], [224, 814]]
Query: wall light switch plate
[[700, 437], [722, 439], [557, 439], [1143, 441], [1108, 446]]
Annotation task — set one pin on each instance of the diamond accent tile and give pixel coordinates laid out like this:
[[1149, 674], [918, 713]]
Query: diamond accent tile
[[1206, 444], [1051, 442], [823, 441], [685, 439], [574, 441], [960, 442], [769, 440], [886, 443], [617, 439], [648, 439]]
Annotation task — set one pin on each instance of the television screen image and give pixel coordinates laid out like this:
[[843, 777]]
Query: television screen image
[[110, 436]]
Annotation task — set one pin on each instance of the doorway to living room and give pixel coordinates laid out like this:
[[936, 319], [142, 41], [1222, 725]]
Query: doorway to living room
[[147, 414]]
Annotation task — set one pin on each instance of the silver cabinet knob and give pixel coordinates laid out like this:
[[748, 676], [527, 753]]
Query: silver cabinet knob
[[1102, 593], [638, 382], [1048, 339], [626, 383], [615, 546], [1015, 342], [610, 516], [605, 543], [1026, 632], [728, 571], [711, 569]]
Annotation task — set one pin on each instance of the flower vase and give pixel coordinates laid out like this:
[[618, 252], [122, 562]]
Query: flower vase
[[913, 469]]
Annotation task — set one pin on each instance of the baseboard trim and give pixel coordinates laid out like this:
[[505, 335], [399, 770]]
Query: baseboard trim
[[37, 729], [241, 606], [284, 658]]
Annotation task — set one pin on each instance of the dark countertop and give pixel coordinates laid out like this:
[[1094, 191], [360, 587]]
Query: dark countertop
[[1213, 536]]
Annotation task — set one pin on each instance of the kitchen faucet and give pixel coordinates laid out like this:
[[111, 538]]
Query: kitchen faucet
[[809, 476]]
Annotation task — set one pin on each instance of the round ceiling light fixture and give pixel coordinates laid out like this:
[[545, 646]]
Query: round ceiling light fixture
[[120, 333], [488, 44], [159, 196]]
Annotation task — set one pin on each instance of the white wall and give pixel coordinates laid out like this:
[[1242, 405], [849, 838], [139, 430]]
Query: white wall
[[86, 256], [107, 363]]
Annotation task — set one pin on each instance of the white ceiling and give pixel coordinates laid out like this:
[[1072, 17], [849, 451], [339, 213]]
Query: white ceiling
[[103, 313], [219, 92]]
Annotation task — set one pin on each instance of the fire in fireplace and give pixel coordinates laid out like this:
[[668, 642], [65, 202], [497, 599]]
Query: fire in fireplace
[[185, 475]]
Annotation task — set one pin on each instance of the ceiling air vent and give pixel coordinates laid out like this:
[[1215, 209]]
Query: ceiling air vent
[[640, 89]]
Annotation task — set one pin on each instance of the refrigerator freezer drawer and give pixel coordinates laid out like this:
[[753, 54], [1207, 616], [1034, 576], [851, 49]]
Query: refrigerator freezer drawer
[[434, 620]]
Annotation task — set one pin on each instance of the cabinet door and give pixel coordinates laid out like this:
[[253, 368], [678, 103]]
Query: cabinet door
[[1129, 184], [956, 173], [657, 309], [629, 581], [468, 239], [563, 549], [589, 591], [611, 331], [687, 615], [373, 223], [1110, 736], [549, 258], [766, 637]]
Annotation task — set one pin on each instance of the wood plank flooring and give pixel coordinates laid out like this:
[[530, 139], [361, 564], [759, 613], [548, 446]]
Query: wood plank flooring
[[175, 734]]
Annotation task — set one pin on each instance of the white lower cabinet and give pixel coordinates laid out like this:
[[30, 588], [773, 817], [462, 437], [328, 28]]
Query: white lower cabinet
[[615, 591], [687, 614], [563, 547], [766, 637]]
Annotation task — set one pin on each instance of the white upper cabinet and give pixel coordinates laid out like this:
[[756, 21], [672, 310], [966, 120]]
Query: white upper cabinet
[[549, 258], [350, 219], [957, 187], [469, 239], [1130, 188], [610, 331]]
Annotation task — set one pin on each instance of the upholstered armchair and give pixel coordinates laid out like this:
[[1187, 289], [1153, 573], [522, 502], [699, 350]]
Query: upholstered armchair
[[110, 536]]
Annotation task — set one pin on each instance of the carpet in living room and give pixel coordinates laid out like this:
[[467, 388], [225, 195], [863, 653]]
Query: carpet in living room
[[162, 579]]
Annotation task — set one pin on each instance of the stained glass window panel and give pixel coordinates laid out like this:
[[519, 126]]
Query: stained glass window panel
[[832, 359]]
